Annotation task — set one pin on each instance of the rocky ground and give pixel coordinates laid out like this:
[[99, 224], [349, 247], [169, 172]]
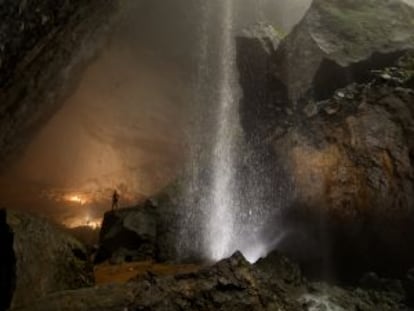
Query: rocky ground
[[232, 284]]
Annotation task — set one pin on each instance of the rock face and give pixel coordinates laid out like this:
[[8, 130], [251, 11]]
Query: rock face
[[335, 44], [231, 284], [352, 169], [44, 46], [341, 134], [37, 260], [338, 41], [128, 234]]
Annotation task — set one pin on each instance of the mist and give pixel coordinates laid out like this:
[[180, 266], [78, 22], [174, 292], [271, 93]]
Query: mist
[[127, 124]]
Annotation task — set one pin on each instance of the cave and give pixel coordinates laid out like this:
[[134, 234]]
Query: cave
[[199, 155]]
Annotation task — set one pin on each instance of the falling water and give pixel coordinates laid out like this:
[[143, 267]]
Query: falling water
[[223, 206], [222, 211]]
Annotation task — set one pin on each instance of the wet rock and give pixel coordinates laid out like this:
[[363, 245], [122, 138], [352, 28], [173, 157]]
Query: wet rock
[[277, 267], [353, 177], [128, 234], [340, 103], [325, 297], [256, 46], [373, 282], [328, 50], [37, 259], [231, 284]]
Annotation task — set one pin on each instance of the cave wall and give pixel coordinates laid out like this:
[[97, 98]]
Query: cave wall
[[44, 47], [340, 134]]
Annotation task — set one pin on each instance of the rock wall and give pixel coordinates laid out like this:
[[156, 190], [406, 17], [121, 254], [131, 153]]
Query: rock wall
[[341, 134], [128, 234], [38, 259], [44, 47]]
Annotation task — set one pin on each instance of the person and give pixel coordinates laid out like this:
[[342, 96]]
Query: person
[[115, 200]]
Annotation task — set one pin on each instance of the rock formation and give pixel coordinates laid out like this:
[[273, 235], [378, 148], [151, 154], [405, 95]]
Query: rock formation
[[231, 284], [337, 42], [44, 47], [335, 107], [128, 234], [37, 259]]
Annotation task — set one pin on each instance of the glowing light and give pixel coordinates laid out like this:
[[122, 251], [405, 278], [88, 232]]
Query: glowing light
[[83, 222], [76, 198]]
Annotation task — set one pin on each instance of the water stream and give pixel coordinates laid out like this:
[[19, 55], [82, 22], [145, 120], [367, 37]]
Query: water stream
[[222, 213], [221, 220]]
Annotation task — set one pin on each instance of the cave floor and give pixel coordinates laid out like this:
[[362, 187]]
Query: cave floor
[[121, 273]]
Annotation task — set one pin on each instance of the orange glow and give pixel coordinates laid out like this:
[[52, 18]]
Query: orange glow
[[83, 222], [76, 198]]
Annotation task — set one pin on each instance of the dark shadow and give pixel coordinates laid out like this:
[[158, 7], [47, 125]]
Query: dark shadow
[[7, 263], [331, 76], [333, 249]]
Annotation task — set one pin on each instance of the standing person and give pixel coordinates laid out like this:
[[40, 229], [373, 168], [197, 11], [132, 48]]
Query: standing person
[[115, 200]]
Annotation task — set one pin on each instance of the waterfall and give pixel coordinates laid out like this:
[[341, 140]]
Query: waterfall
[[222, 213], [223, 204]]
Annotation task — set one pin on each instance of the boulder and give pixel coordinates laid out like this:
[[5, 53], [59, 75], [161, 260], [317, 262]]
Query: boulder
[[128, 234], [337, 42], [38, 259]]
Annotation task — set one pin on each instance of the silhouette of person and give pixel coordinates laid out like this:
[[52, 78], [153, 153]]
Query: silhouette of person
[[115, 200]]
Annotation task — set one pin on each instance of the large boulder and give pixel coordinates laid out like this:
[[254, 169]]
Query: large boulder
[[38, 259], [335, 44], [338, 41], [128, 234]]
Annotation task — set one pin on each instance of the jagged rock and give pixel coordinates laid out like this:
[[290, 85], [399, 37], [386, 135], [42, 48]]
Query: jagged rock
[[278, 268], [231, 284], [338, 42], [37, 259], [44, 46], [128, 234], [341, 134], [374, 282], [325, 297], [353, 176]]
